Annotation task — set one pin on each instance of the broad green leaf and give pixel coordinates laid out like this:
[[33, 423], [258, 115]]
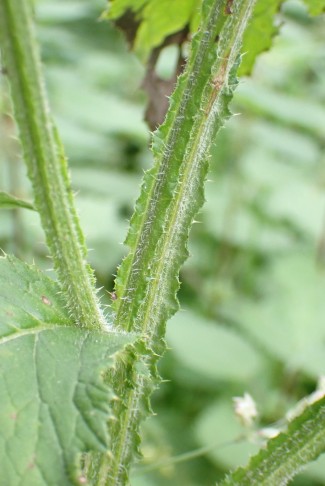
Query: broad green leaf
[[286, 454], [161, 18], [118, 7], [258, 38], [10, 201], [54, 401], [158, 19], [315, 7]]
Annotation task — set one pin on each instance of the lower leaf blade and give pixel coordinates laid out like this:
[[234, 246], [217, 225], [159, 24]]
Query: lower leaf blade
[[54, 393], [54, 403]]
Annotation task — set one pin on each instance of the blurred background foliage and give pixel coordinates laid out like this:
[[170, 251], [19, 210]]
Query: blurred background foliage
[[252, 293]]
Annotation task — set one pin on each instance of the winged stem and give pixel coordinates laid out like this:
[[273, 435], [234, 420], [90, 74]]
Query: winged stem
[[171, 195], [286, 454]]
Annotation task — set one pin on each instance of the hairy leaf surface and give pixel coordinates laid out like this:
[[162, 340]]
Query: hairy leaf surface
[[54, 401]]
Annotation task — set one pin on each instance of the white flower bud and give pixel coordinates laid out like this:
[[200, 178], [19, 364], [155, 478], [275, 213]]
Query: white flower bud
[[245, 409]]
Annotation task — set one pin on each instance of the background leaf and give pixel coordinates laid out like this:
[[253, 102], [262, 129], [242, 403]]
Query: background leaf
[[208, 350], [294, 293], [315, 7], [156, 20], [258, 38]]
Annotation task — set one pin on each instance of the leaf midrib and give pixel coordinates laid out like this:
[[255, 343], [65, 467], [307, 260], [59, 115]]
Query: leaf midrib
[[30, 331]]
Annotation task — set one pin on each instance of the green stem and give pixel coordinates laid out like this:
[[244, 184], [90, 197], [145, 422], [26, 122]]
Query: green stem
[[172, 193], [46, 163]]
